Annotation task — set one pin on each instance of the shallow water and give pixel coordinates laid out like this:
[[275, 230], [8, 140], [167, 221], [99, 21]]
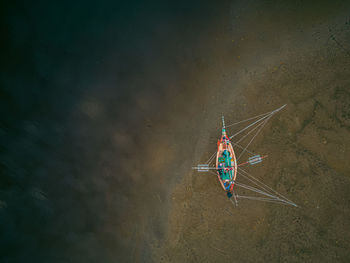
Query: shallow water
[[106, 108]]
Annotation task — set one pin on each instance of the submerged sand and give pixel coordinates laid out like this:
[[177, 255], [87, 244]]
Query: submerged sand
[[269, 62]]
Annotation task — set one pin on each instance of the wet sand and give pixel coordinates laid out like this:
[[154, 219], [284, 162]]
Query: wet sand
[[100, 166]]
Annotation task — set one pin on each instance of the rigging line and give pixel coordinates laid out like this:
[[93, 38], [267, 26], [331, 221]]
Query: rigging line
[[256, 190], [248, 119], [210, 168], [254, 137], [272, 112], [250, 125], [242, 148], [251, 131], [234, 204], [270, 190], [255, 197], [211, 157], [265, 200], [274, 199], [253, 189], [254, 182], [274, 191], [234, 196], [258, 184], [213, 173]]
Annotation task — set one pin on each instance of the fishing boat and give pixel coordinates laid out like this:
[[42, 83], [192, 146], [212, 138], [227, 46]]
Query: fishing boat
[[229, 172], [226, 164]]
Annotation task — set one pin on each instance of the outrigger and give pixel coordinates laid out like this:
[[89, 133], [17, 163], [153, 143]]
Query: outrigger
[[226, 166]]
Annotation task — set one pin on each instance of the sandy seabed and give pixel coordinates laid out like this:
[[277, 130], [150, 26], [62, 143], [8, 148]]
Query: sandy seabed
[[273, 59]]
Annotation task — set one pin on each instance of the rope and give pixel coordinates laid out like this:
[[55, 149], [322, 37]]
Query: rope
[[243, 148], [248, 119], [264, 199], [253, 189], [250, 125], [210, 159], [262, 126], [235, 204], [274, 199], [251, 131], [274, 191], [254, 182], [267, 114]]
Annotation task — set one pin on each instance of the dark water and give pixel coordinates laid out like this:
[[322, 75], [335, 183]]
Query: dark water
[[105, 106], [83, 87]]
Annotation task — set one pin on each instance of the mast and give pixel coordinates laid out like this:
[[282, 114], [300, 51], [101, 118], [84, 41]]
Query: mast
[[223, 126]]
